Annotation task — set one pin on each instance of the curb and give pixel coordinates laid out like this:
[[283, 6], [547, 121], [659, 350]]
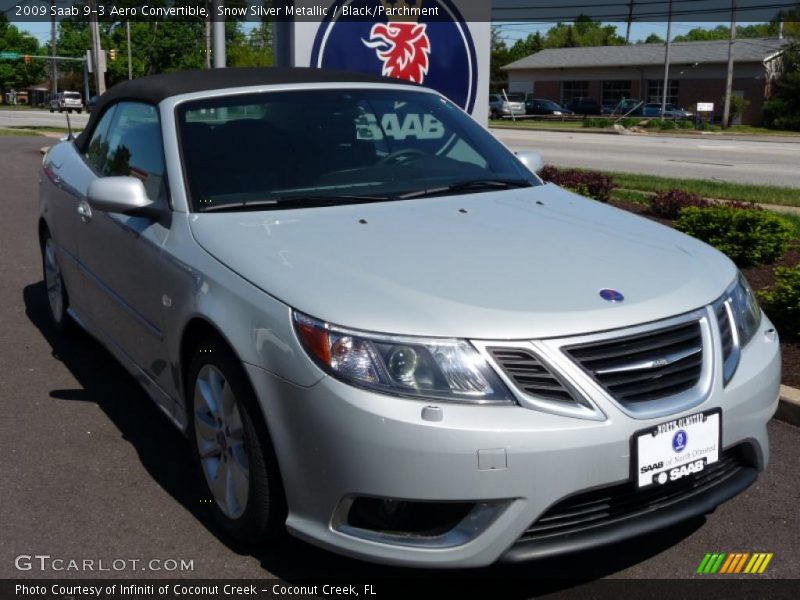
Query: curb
[[789, 405]]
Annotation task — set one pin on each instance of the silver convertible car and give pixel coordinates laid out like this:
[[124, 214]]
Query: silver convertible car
[[380, 330]]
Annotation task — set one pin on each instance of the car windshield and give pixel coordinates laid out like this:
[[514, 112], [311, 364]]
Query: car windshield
[[550, 104], [516, 97], [321, 147], [72, 95]]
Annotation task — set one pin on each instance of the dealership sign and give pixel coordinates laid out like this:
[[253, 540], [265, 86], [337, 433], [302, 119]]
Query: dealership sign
[[433, 46]]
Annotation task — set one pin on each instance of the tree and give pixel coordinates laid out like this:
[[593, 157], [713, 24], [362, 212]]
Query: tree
[[583, 32], [782, 110], [498, 57], [527, 46], [653, 38], [722, 32], [15, 73]]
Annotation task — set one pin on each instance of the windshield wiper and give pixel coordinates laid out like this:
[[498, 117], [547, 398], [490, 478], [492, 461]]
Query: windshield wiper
[[466, 186], [295, 202]]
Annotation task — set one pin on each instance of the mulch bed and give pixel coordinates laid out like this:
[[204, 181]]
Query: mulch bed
[[759, 278]]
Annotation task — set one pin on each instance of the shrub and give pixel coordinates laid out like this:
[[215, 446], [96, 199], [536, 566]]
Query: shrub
[[597, 122], [782, 300], [586, 183], [708, 127], [669, 204], [685, 124], [629, 122], [748, 237], [738, 107]]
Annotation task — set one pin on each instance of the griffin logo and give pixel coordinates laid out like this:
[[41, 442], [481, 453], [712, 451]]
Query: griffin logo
[[434, 50], [403, 48]]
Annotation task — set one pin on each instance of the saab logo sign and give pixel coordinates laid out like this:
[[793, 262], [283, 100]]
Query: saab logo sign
[[437, 52]]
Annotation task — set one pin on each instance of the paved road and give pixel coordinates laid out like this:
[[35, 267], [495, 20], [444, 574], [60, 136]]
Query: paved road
[[741, 161], [90, 468], [41, 118], [744, 161]]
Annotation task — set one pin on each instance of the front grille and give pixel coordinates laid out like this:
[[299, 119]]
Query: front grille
[[646, 366], [530, 375], [612, 504]]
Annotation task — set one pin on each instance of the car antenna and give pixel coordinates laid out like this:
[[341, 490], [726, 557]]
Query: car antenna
[[69, 127]]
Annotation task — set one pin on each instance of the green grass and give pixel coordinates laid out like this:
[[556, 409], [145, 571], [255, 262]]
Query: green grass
[[17, 132], [537, 124], [44, 129], [760, 130], [631, 196], [17, 107], [760, 194], [605, 123]]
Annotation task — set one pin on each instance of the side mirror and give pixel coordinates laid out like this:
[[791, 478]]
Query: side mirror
[[120, 195], [532, 160]]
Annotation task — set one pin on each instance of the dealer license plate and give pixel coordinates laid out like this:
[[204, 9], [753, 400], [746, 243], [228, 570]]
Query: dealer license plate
[[677, 449]]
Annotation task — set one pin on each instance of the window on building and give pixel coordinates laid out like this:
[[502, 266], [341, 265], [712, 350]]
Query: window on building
[[614, 91], [655, 87], [574, 89]]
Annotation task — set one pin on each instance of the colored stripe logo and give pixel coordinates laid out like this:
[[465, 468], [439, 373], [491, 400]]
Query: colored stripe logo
[[734, 563]]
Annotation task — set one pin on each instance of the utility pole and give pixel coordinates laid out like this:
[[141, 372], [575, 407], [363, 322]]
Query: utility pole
[[665, 89], [630, 20], [219, 36], [726, 111], [53, 53], [97, 50], [208, 34], [128, 35]]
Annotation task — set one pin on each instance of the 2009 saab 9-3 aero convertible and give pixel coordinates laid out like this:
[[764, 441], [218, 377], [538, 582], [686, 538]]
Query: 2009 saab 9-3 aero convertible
[[379, 328]]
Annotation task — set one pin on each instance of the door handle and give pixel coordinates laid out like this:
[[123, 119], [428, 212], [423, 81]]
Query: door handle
[[85, 211]]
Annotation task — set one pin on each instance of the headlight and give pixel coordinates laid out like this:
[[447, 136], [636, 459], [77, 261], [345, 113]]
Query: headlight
[[443, 369], [746, 311]]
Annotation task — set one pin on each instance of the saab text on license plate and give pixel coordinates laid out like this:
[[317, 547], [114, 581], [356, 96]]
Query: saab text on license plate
[[676, 449]]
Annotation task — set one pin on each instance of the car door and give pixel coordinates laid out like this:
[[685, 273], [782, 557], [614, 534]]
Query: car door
[[121, 254], [65, 176]]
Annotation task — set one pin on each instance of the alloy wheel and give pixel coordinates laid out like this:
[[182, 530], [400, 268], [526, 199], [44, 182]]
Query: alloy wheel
[[220, 439], [53, 281]]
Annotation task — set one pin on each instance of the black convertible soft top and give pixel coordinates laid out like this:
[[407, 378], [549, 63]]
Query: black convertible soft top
[[155, 88]]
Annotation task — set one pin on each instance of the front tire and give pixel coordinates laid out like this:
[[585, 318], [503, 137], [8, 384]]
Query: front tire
[[57, 297], [232, 448]]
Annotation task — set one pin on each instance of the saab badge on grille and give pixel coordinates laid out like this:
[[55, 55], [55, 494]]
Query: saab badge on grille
[[611, 295]]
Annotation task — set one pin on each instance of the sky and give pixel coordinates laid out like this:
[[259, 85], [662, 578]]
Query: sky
[[510, 31]]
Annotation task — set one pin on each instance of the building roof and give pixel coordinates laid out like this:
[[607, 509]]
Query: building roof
[[639, 55]]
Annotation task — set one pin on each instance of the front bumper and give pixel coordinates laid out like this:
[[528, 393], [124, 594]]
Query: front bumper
[[336, 442]]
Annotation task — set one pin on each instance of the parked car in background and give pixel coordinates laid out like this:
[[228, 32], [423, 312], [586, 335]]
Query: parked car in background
[[383, 331], [653, 109], [542, 106], [499, 107], [584, 106], [67, 101]]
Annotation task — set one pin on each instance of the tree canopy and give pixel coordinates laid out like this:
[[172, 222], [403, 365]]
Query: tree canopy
[[15, 73]]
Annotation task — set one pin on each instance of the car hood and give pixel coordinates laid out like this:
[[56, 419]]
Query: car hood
[[512, 264]]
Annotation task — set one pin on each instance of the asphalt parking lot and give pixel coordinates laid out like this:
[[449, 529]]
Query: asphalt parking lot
[[92, 470]]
